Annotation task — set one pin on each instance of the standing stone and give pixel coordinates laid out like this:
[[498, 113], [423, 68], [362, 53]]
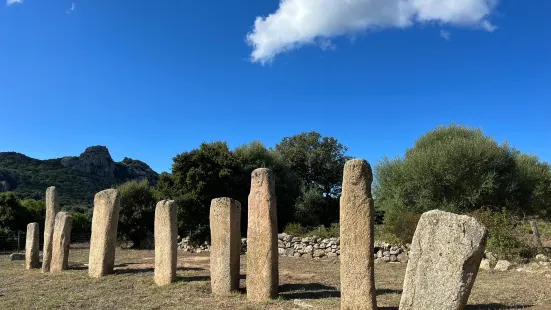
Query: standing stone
[[536, 232], [262, 254], [52, 207], [166, 241], [61, 242], [445, 256], [105, 220], [356, 237], [32, 259], [225, 234]]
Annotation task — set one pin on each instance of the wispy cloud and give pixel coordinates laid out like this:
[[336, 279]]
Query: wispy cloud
[[72, 8], [300, 22], [12, 2], [445, 34]]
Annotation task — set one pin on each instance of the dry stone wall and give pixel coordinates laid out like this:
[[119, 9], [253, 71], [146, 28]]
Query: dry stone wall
[[313, 248]]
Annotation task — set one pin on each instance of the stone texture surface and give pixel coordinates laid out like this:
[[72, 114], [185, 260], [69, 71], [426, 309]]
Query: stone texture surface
[[262, 252], [356, 237], [52, 207], [105, 221], [445, 256], [166, 241], [32, 259], [225, 234], [61, 242]]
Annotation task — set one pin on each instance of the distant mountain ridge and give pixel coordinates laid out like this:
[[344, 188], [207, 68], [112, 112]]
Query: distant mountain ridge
[[78, 178]]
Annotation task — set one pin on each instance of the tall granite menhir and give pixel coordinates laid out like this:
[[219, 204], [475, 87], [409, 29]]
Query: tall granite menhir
[[32, 259], [225, 232], [262, 255], [61, 242], [52, 207], [166, 241], [356, 233], [445, 255], [104, 233]]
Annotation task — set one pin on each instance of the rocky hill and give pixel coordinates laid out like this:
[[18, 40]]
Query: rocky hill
[[77, 178]]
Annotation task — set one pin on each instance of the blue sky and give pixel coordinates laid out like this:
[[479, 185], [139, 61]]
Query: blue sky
[[151, 79]]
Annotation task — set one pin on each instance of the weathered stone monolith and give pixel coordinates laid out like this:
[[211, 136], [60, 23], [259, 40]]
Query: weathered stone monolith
[[32, 259], [445, 256], [166, 241], [262, 255], [105, 220], [225, 234], [52, 207], [61, 242], [356, 237]]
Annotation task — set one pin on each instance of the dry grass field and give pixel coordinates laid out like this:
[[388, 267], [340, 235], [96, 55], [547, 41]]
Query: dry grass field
[[310, 283]]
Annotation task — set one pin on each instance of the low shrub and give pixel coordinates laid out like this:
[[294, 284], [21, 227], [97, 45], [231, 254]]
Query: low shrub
[[294, 229], [402, 225], [506, 237]]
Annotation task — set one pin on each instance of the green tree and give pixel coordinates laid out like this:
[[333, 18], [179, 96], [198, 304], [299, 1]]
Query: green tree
[[287, 185], [137, 212], [198, 176], [319, 162], [459, 169], [36, 209]]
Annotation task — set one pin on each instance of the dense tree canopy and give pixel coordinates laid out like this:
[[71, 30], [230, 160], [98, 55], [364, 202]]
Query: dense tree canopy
[[459, 169], [137, 211]]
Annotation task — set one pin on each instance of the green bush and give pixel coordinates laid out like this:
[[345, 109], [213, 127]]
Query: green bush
[[294, 229], [401, 225], [506, 238], [136, 213], [321, 231]]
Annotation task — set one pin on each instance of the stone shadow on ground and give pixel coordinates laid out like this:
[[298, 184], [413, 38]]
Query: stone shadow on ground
[[494, 306], [120, 270], [191, 278], [319, 291], [307, 291]]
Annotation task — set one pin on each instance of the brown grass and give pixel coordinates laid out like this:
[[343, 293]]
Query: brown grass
[[315, 283]]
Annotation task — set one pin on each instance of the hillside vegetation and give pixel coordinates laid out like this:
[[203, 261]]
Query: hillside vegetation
[[77, 179]]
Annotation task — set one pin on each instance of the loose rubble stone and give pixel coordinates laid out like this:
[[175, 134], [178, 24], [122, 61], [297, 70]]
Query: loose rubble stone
[[504, 265], [444, 260], [262, 254], [17, 256]]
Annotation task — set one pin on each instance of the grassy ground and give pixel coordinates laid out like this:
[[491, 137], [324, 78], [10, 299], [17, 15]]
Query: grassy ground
[[315, 283]]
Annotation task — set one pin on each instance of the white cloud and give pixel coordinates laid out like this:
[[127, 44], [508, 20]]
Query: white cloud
[[72, 9], [301, 22], [12, 2], [445, 34]]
